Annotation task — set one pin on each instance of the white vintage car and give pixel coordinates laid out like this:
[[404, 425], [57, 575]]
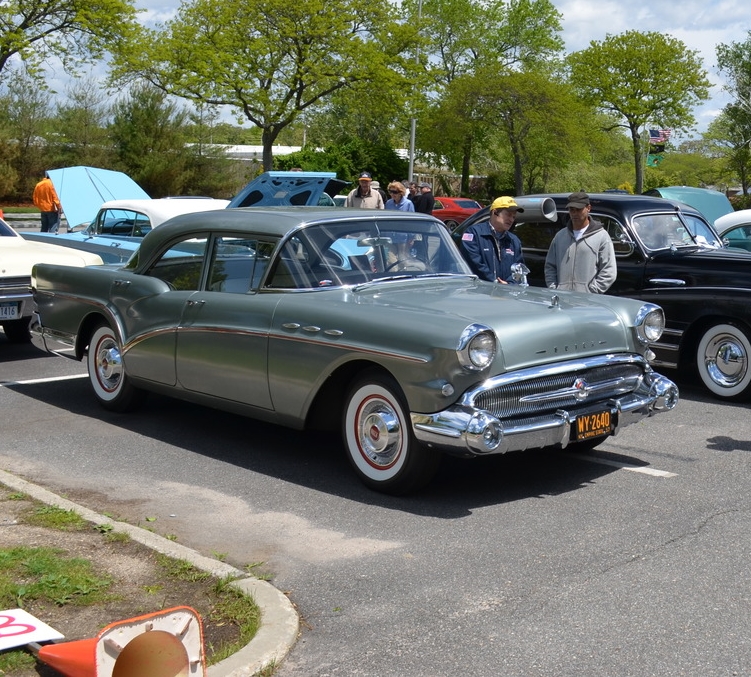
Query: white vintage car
[[17, 256]]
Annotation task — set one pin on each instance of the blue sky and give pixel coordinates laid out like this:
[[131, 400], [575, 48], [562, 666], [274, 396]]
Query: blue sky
[[700, 24]]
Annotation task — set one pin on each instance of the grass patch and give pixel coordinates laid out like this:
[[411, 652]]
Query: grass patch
[[19, 210], [181, 569], [123, 580], [234, 607], [41, 574], [52, 517]]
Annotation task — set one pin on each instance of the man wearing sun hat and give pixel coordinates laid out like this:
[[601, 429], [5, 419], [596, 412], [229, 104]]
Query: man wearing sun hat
[[581, 256], [364, 196], [489, 247]]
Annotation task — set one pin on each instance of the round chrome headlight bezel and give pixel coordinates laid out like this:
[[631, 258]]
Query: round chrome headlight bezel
[[477, 347], [650, 323]]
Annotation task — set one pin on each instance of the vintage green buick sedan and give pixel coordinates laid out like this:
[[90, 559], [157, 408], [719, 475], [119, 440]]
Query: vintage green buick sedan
[[368, 321]]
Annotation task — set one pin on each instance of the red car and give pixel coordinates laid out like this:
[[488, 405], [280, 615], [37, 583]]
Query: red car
[[453, 210]]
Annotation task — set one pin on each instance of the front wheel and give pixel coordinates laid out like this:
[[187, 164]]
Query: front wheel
[[107, 376], [379, 440], [722, 360]]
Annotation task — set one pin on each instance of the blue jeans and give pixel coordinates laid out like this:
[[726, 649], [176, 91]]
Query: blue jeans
[[50, 222]]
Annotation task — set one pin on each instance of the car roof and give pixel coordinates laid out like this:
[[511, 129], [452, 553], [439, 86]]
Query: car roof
[[626, 203], [274, 222], [740, 218], [162, 209]]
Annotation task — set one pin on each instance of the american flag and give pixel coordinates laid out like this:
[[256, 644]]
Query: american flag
[[659, 135]]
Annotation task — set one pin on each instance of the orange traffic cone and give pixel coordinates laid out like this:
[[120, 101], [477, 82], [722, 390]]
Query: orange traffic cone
[[163, 644]]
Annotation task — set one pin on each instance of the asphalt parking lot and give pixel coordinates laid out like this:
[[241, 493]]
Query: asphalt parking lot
[[630, 561]]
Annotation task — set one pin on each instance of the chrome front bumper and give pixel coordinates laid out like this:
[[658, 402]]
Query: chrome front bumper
[[470, 431]]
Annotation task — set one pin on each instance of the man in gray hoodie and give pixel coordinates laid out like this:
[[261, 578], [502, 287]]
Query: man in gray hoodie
[[581, 256]]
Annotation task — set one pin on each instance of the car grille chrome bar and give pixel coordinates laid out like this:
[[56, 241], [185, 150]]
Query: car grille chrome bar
[[540, 394]]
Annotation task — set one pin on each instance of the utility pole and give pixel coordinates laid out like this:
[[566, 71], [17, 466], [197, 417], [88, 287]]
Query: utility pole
[[413, 123]]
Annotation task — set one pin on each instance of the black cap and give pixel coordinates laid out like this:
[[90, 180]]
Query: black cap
[[578, 200]]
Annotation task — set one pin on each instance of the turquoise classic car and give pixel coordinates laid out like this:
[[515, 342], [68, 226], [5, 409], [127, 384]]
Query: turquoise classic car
[[366, 321]]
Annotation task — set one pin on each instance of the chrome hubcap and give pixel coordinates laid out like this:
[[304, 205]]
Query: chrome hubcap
[[109, 367], [379, 433], [725, 360]]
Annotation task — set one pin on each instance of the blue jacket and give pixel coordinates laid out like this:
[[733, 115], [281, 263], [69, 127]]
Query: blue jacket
[[490, 256]]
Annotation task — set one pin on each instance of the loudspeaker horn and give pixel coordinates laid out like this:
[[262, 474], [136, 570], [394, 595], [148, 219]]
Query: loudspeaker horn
[[536, 209]]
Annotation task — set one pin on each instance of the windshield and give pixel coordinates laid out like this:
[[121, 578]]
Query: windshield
[[330, 255], [6, 230], [663, 231]]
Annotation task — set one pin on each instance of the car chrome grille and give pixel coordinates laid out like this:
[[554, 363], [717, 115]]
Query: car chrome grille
[[560, 391], [14, 285]]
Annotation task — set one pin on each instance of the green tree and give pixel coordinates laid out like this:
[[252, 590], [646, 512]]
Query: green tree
[[270, 60], [72, 30], [734, 61], [82, 124], [641, 79], [463, 38], [27, 112], [149, 132], [728, 135], [526, 120]]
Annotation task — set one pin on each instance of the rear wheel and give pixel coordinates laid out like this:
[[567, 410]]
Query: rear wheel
[[722, 361], [451, 224], [107, 376], [17, 331], [379, 440]]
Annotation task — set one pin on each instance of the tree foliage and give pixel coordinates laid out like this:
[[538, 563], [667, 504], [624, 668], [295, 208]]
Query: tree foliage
[[271, 59], [462, 38], [72, 30], [734, 61], [641, 79], [149, 137], [82, 123], [27, 113]]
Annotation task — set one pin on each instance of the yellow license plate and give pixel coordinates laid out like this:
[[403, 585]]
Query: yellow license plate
[[593, 425]]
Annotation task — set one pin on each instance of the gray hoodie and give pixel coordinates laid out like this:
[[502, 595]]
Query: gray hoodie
[[587, 264]]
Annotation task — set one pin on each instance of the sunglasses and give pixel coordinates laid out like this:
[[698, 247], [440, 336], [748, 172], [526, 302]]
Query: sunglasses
[[394, 192]]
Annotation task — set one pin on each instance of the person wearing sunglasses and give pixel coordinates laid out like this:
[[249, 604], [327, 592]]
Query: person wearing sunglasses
[[398, 199]]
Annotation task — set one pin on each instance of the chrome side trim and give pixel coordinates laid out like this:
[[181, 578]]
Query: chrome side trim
[[50, 341]]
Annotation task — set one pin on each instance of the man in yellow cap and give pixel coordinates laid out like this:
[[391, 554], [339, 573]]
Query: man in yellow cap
[[489, 247]]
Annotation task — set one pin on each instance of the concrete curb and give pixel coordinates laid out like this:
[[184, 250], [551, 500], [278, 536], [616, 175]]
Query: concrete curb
[[279, 620]]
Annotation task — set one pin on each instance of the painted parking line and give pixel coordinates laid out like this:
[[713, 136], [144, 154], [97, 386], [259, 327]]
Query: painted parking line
[[644, 470], [32, 381]]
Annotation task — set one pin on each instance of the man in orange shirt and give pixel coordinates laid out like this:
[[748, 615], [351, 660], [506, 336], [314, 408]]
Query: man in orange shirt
[[46, 200]]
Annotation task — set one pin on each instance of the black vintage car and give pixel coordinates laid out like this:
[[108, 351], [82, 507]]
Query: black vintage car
[[668, 254]]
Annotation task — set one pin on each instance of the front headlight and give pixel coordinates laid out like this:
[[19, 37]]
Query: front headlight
[[650, 323], [477, 347]]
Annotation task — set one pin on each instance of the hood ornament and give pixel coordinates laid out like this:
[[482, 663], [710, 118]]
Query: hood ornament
[[519, 274]]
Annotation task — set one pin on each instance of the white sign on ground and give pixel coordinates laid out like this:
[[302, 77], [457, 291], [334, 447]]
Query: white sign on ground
[[18, 627]]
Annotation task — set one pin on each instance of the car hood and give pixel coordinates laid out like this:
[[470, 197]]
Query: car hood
[[81, 190], [17, 256], [711, 203], [289, 189], [726, 267], [575, 324]]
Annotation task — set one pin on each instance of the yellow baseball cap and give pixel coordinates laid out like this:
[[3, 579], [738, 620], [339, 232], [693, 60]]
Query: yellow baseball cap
[[505, 203]]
